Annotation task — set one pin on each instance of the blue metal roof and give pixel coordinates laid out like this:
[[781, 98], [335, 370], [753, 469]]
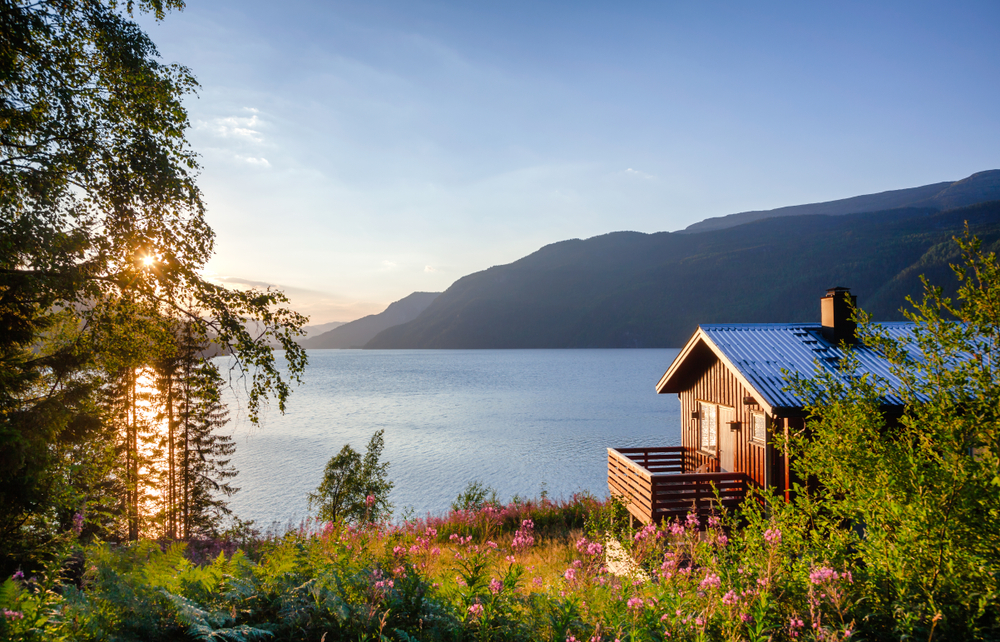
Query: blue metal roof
[[760, 351]]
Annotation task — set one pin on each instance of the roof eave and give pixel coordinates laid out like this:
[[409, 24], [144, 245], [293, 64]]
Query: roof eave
[[701, 336]]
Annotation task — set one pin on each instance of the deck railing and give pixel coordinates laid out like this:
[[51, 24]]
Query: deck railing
[[657, 486]]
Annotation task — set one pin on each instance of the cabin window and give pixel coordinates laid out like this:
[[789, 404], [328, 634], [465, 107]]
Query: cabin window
[[759, 434], [708, 424]]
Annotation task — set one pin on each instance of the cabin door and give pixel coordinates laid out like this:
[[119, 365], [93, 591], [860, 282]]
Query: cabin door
[[727, 440]]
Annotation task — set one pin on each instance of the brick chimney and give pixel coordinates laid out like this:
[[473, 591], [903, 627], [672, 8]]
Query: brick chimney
[[836, 307]]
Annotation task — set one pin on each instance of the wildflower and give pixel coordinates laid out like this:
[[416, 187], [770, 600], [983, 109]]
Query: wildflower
[[634, 603], [730, 598], [495, 586], [370, 500], [794, 625], [676, 528], [476, 610], [414, 549], [431, 533], [746, 618], [570, 574], [577, 564], [511, 559], [594, 549], [435, 551], [570, 638], [398, 550], [823, 574], [460, 580], [722, 539], [13, 615], [18, 576], [78, 523], [699, 621], [537, 581], [664, 617], [772, 536], [692, 520], [711, 581], [491, 544]]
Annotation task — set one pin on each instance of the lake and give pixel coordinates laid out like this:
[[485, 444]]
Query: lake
[[519, 421]]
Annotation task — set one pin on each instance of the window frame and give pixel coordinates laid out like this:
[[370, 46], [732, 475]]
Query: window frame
[[714, 449], [754, 439]]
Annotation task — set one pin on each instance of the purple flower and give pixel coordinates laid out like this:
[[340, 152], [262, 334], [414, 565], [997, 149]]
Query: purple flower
[[711, 581], [823, 574], [495, 586], [18, 576], [78, 523]]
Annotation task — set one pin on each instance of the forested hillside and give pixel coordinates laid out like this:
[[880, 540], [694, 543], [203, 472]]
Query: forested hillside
[[628, 289]]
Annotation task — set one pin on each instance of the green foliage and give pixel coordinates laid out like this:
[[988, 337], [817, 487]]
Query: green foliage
[[475, 496], [103, 239], [914, 500], [354, 489]]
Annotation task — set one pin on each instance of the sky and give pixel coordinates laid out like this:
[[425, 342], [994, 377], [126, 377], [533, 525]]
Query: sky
[[355, 152]]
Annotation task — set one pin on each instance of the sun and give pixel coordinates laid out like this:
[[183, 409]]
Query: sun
[[148, 260]]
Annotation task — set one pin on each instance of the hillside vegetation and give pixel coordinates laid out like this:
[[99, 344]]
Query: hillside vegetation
[[629, 289]]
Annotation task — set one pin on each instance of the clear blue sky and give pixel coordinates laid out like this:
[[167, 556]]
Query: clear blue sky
[[354, 152]]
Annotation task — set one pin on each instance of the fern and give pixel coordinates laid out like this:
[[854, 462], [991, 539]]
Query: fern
[[205, 625]]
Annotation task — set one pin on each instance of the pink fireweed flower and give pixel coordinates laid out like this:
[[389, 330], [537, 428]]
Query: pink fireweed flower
[[730, 598], [772, 536], [78, 523], [823, 574], [491, 544], [370, 500], [794, 624], [476, 610], [722, 540], [711, 581], [511, 559], [13, 615], [634, 603], [435, 551], [397, 550], [714, 521], [537, 581], [454, 536], [692, 520], [570, 574], [676, 528], [460, 580], [495, 585], [594, 549]]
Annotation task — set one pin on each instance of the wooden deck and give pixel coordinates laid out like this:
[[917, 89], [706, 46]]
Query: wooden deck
[[658, 484]]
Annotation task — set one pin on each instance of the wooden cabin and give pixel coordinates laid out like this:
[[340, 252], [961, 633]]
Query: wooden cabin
[[731, 387]]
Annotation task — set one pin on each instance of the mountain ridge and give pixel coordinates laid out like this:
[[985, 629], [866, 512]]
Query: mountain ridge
[[978, 188], [630, 289]]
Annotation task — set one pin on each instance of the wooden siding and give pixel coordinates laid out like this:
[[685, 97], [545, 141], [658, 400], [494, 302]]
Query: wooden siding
[[719, 385]]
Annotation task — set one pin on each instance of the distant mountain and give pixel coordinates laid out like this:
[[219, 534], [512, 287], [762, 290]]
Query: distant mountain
[[357, 333], [313, 330], [978, 188], [629, 289]]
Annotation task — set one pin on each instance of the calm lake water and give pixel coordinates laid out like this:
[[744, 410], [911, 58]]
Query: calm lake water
[[516, 420]]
